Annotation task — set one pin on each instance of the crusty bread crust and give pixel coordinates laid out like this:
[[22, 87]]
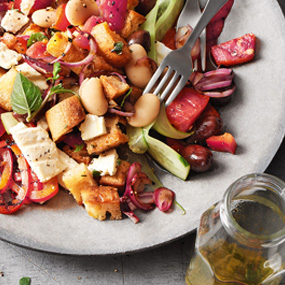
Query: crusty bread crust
[[64, 116]]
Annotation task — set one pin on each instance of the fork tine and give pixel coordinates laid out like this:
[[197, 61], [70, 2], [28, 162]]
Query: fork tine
[[169, 85], [154, 79], [176, 90], [163, 80]]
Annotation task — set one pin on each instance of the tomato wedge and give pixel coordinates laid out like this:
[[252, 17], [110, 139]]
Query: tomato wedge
[[186, 108], [61, 22], [235, 51], [37, 50]]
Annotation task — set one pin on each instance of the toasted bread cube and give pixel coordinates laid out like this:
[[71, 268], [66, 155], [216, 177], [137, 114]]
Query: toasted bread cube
[[132, 4], [107, 40], [135, 94], [112, 139], [132, 23], [6, 88], [57, 45], [64, 116], [98, 200], [113, 86], [80, 156], [99, 63], [33, 29], [77, 179], [119, 179]]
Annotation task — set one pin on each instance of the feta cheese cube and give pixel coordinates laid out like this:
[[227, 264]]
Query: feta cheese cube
[[13, 21], [106, 163], [33, 75], [39, 150], [93, 126], [8, 57]]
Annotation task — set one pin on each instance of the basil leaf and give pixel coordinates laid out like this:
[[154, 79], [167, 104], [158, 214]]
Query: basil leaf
[[78, 147], [26, 96], [37, 37], [25, 281], [118, 48]]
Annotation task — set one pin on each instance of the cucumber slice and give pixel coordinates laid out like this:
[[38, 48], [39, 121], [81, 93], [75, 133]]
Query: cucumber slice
[[140, 141], [137, 142], [163, 126], [168, 158], [8, 121]]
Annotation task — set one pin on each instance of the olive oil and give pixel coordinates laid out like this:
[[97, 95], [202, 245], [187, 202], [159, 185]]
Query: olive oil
[[247, 255]]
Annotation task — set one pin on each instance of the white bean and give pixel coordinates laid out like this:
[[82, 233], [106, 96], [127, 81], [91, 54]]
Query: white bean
[[44, 18], [92, 96], [78, 11], [139, 75], [146, 110]]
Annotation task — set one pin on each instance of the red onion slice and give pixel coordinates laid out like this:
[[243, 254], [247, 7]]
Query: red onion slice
[[121, 113], [139, 181], [220, 94], [164, 198], [38, 65], [214, 85]]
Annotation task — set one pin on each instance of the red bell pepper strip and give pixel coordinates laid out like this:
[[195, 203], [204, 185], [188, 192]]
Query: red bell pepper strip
[[235, 51], [223, 143], [9, 205], [7, 163], [49, 190]]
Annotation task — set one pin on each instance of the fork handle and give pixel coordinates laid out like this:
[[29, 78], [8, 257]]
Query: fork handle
[[210, 10]]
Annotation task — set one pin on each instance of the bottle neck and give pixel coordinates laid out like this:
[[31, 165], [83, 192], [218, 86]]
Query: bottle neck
[[252, 211]]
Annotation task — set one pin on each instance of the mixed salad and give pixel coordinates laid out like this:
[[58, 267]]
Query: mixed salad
[[71, 95]]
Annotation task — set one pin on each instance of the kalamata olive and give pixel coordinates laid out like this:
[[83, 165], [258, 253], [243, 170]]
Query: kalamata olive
[[206, 126], [145, 6], [199, 157], [141, 37]]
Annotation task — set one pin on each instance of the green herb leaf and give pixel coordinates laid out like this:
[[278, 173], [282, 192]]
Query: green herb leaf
[[25, 281], [126, 96], [56, 70], [37, 37], [96, 173], [26, 96], [118, 47], [78, 147]]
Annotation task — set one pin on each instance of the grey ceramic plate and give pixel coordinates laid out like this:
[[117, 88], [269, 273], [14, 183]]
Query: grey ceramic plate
[[256, 117]]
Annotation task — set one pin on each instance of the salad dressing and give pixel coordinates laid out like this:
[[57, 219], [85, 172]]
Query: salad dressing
[[245, 246]]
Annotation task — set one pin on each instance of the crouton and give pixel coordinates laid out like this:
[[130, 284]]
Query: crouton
[[132, 4], [113, 86], [111, 45], [64, 116], [6, 88], [112, 139], [99, 63], [77, 179], [33, 29], [119, 179], [98, 200], [132, 23], [80, 156], [57, 45]]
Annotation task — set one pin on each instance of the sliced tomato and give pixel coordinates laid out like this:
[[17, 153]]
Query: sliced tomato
[[235, 51], [49, 190], [82, 42], [20, 46], [186, 108], [224, 143], [38, 50], [61, 22], [7, 164]]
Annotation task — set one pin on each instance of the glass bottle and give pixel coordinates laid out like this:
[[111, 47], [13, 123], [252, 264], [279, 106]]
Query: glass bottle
[[241, 239]]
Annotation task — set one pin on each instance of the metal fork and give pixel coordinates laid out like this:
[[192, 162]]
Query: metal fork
[[178, 62]]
